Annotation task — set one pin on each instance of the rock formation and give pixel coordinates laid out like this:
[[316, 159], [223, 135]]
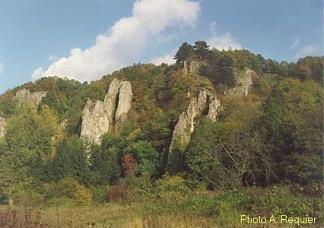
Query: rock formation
[[244, 83], [2, 127], [124, 102], [24, 95], [100, 117], [205, 103], [192, 66]]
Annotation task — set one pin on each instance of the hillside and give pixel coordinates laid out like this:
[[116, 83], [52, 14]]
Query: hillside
[[214, 121]]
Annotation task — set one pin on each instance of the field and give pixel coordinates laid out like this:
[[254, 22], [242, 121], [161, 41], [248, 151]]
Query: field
[[109, 215], [196, 209]]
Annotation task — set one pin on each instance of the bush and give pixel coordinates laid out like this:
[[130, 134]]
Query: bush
[[139, 188], [98, 193], [279, 200], [70, 189], [117, 193], [200, 205], [172, 189]]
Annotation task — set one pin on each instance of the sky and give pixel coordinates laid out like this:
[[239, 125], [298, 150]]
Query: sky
[[86, 39]]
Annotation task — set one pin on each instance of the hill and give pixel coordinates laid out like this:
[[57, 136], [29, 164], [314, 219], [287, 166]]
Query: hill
[[215, 120]]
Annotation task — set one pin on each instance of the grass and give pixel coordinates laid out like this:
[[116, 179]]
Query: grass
[[107, 215], [172, 208]]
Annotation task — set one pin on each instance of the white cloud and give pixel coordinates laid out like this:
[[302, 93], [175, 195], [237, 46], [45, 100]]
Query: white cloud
[[223, 42], [1, 68], [126, 40], [295, 43], [168, 59]]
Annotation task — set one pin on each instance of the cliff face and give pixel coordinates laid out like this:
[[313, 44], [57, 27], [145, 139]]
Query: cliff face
[[25, 96], [205, 103], [100, 117], [244, 83], [2, 127], [192, 66]]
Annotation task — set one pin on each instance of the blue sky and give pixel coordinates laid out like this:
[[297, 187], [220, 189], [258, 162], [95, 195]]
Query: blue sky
[[84, 39]]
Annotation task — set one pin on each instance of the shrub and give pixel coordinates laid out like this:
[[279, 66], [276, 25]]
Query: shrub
[[117, 192], [98, 193], [70, 189], [172, 189], [139, 188]]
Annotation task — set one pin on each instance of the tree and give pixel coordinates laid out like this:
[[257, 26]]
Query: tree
[[230, 152], [220, 69], [107, 160], [292, 118], [201, 50], [185, 52], [28, 145], [146, 157], [107, 165], [70, 161]]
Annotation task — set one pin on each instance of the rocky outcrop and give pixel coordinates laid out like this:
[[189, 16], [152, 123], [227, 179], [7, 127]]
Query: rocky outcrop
[[2, 127], [244, 83], [25, 96], [100, 117], [124, 102], [192, 66], [205, 103]]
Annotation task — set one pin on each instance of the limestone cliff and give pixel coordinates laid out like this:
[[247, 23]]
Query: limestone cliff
[[124, 102], [244, 83], [205, 103], [100, 117], [24, 95], [192, 66], [2, 127]]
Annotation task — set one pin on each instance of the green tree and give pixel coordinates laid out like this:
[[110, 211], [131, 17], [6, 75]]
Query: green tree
[[28, 145], [292, 118], [201, 50], [107, 160], [230, 152], [71, 160], [220, 69], [146, 157], [185, 52]]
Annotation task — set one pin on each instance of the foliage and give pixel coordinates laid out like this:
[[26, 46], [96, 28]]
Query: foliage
[[146, 157], [172, 189], [220, 69], [70, 160], [272, 135], [292, 118], [70, 189], [129, 164], [117, 192], [230, 152], [28, 145]]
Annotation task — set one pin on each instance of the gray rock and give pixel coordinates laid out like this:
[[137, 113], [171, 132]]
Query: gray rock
[[25, 96], [2, 127], [124, 102], [244, 83], [95, 120], [214, 107], [192, 66], [101, 116], [205, 102]]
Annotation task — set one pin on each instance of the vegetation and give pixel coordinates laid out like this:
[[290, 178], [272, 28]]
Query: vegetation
[[262, 157]]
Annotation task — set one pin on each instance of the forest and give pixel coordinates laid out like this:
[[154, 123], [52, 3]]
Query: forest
[[262, 156]]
